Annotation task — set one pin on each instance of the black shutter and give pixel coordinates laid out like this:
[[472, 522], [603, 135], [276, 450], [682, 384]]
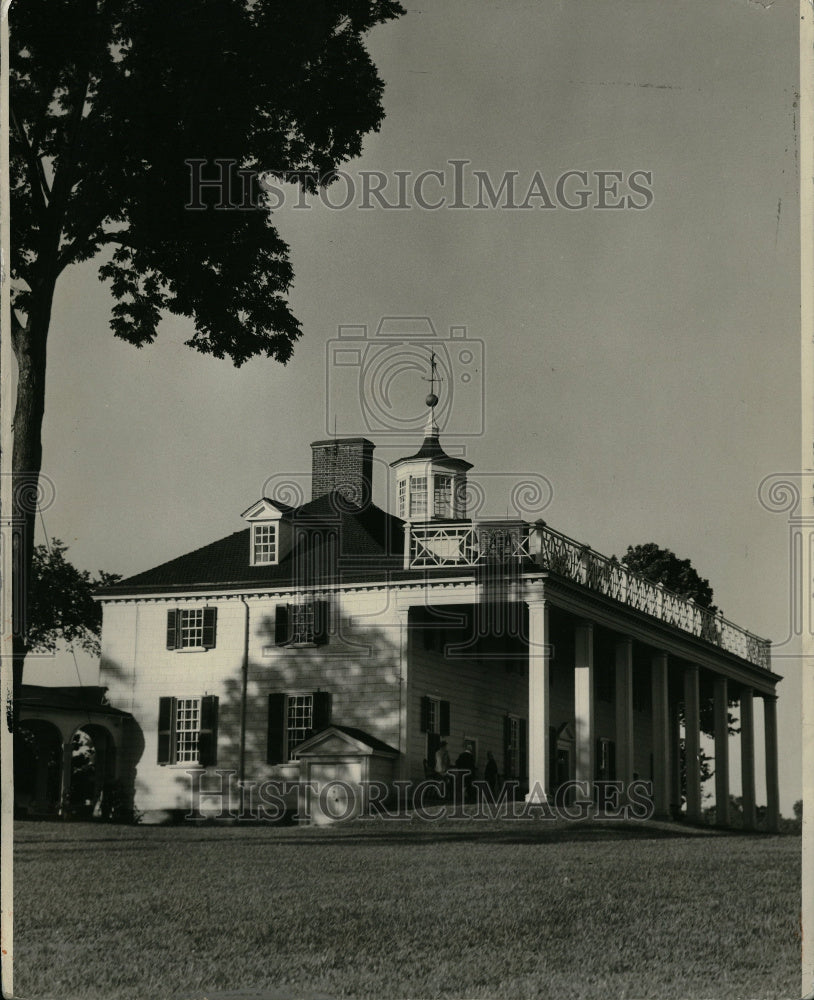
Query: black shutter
[[444, 713], [172, 629], [507, 746], [425, 715], [208, 733], [322, 610], [611, 761], [599, 772], [321, 718], [166, 717], [276, 750], [552, 756], [523, 732], [282, 630], [210, 619]]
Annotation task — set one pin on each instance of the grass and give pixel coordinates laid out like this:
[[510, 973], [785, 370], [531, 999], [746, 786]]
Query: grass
[[453, 909]]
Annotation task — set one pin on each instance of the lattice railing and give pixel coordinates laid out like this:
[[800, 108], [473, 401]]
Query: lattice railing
[[474, 544]]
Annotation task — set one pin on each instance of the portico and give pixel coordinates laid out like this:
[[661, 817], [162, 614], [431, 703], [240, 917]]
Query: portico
[[642, 667]]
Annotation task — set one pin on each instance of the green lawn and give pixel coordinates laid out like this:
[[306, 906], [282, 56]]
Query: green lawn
[[453, 909]]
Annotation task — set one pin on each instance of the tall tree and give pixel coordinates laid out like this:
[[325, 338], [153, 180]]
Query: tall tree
[[110, 100]]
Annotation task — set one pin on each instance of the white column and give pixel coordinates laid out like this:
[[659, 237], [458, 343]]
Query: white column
[[772, 783], [624, 711], [539, 653], [584, 731], [660, 714], [692, 741], [721, 752], [748, 758]]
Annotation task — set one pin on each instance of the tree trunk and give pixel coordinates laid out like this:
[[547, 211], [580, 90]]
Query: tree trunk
[[29, 343]]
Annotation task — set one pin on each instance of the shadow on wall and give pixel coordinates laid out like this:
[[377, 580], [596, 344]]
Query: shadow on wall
[[359, 670]]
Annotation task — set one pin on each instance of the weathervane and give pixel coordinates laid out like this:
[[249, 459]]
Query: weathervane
[[432, 398]]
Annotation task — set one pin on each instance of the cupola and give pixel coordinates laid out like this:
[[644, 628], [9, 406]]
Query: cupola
[[431, 485]]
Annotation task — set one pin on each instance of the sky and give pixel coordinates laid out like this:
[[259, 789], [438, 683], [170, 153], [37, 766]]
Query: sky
[[641, 364]]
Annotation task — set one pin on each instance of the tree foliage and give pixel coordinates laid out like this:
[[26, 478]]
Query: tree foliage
[[663, 566], [61, 608], [110, 99]]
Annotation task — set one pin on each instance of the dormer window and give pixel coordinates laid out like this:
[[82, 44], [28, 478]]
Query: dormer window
[[264, 544], [270, 532]]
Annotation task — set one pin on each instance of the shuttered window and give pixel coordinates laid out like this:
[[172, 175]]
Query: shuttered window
[[188, 730], [292, 719], [191, 628], [435, 716], [303, 624]]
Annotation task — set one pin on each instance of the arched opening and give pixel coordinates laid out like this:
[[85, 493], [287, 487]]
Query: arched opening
[[37, 768], [93, 770]]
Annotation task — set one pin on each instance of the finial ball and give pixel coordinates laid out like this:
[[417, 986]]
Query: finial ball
[[432, 399]]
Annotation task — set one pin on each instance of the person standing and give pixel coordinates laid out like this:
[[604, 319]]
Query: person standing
[[442, 761], [466, 763], [490, 772], [442, 765]]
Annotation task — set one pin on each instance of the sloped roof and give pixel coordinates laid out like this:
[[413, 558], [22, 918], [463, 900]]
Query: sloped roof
[[370, 543], [431, 449], [359, 735], [372, 741], [85, 698]]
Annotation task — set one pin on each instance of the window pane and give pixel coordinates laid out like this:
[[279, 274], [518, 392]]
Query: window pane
[[300, 719], [443, 496], [191, 628], [302, 623], [264, 542], [187, 725], [418, 496]]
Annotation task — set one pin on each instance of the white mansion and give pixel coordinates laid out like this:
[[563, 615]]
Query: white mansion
[[335, 638]]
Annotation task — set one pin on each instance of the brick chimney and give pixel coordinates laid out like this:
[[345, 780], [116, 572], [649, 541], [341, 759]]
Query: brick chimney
[[343, 464]]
